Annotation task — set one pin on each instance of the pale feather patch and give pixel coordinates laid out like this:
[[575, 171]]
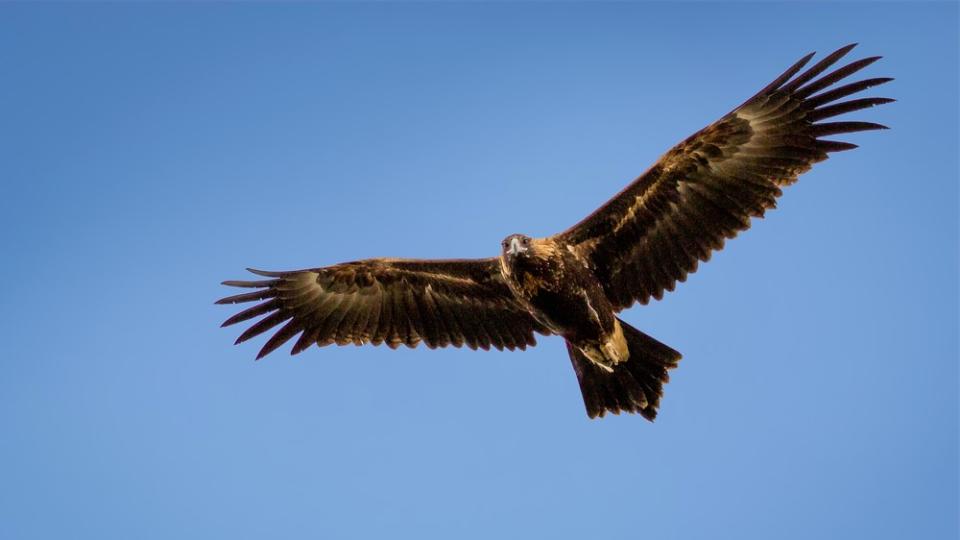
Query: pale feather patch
[[638, 202], [616, 347], [612, 352], [596, 316]]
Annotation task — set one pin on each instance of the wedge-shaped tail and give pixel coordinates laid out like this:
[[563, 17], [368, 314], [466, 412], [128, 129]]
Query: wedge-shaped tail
[[634, 386]]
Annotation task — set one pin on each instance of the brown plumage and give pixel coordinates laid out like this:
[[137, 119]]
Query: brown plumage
[[396, 302], [706, 189], [636, 246]]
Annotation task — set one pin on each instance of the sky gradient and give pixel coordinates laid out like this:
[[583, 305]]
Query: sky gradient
[[154, 150]]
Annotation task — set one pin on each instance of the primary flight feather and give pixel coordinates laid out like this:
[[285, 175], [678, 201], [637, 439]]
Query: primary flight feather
[[633, 248]]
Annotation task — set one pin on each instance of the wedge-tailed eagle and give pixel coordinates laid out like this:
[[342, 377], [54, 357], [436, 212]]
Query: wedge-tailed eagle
[[633, 248]]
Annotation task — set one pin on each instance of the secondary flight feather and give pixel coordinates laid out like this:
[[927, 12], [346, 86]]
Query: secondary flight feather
[[639, 244]]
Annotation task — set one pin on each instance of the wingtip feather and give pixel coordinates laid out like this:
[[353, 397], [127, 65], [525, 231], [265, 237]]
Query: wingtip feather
[[816, 69], [249, 284], [266, 273], [842, 51], [828, 80], [786, 75], [834, 146]]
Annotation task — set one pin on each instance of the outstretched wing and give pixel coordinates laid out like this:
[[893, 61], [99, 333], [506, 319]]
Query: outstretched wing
[[706, 189], [392, 301]]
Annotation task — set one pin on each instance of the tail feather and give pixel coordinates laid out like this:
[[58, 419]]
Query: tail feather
[[634, 386]]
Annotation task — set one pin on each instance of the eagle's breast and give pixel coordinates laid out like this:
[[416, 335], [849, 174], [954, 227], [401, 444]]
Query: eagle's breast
[[560, 291]]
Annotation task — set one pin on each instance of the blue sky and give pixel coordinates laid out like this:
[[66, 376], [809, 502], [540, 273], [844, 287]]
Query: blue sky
[[151, 151]]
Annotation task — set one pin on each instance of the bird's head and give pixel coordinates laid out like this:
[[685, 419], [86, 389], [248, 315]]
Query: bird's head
[[516, 245]]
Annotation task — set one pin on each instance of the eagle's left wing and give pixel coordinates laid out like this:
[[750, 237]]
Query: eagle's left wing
[[394, 301], [706, 189]]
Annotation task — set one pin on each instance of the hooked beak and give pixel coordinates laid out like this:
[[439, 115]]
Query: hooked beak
[[515, 247]]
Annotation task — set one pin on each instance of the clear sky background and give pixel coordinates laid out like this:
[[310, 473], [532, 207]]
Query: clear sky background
[[151, 151]]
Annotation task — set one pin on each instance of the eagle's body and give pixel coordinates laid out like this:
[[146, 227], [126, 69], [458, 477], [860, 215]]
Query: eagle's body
[[561, 292], [639, 244]]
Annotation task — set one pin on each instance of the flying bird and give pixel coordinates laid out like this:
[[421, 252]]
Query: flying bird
[[639, 244]]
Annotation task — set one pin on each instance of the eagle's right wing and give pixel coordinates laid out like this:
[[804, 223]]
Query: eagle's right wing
[[392, 301], [706, 189]]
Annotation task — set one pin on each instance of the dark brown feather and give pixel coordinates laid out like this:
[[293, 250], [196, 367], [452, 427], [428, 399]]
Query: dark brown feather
[[845, 107], [835, 76], [817, 69]]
